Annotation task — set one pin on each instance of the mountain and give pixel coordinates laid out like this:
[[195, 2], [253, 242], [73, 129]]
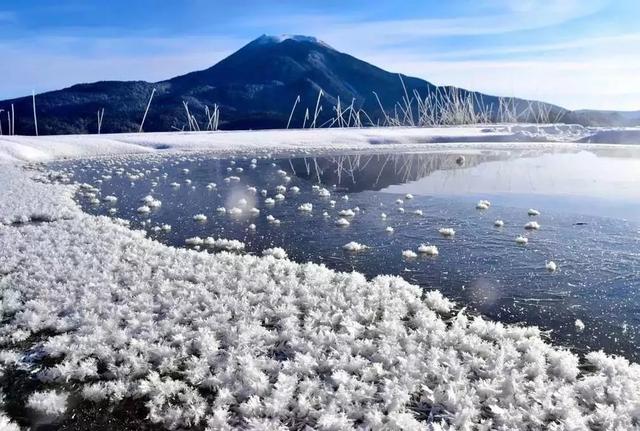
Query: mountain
[[257, 86]]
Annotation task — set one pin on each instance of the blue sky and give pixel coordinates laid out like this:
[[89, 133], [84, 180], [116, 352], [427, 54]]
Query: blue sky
[[577, 53]]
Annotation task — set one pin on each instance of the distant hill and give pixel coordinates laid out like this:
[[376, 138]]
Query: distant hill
[[256, 88]]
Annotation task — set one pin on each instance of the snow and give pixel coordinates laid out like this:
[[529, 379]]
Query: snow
[[276, 252], [342, 222], [532, 225], [409, 254], [51, 403], [354, 246], [228, 340], [200, 218], [447, 232], [429, 250], [44, 148], [306, 207]]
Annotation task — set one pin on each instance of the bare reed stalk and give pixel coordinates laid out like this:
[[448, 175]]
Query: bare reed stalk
[[35, 118], [295, 103], [100, 117], [317, 110], [144, 117]]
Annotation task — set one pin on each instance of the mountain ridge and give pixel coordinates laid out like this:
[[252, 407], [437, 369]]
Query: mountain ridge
[[257, 86]]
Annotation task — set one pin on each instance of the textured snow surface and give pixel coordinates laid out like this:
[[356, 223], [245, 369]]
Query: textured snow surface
[[229, 341], [29, 148], [238, 340], [24, 201]]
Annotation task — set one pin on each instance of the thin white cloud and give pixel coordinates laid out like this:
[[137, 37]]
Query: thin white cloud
[[599, 83], [506, 16], [625, 42], [55, 62]]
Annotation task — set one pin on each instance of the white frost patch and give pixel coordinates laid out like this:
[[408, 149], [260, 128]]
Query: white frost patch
[[224, 244], [277, 252], [306, 207], [51, 403], [447, 232], [201, 218], [429, 250], [342, 222], [483, 204], [6, 424], [23, 201], [354, 246], [409, 254], [532, 225]]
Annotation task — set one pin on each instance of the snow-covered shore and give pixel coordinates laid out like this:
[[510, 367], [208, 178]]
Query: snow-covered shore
[[44, 148], [235, 341]]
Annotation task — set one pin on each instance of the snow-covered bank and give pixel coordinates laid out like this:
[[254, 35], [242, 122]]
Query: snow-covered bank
[[260, 343], [44, 148]]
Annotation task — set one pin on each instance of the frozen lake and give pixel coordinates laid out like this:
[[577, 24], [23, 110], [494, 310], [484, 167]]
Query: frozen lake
[[589, 203]]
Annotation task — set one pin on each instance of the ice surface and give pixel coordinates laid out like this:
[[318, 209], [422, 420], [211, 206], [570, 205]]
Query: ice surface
[[230, 340]]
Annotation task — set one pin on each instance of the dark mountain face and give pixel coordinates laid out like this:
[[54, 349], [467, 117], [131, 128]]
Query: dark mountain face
[[256, 87]]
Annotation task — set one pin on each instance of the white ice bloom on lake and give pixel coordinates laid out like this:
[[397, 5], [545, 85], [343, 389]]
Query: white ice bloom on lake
[[324, 193], [522, 239], [483, 204], [200, 218], [276, 252], [342, 222], [430, 250], [532, 225], [498, 223], [346, 213], [447, 232], [533, 212], [50, 403], [224, 244], [409, 254], [196, 240], [354, 246], [306, 207]]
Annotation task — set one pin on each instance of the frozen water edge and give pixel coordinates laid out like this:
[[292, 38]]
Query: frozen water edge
[[259, 342]]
